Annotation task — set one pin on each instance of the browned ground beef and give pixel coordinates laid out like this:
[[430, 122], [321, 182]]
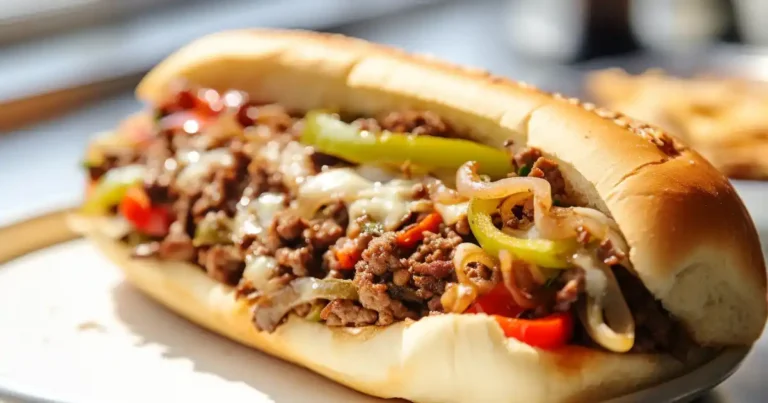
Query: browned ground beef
[[608, 254], [226, 187], [655, 329], [485, 277], [526, 157], [398, 283], [416, 122], [393, 283], [530, 162], [572, 286], [286, 229], [224, 263], [177, 245], [522, 216], [345, 313], [548, 169]]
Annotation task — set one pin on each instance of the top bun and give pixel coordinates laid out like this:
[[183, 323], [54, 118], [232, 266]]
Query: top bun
[[692, 242]]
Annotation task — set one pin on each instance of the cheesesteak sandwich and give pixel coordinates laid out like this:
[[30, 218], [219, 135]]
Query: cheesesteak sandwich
[[416, 230]]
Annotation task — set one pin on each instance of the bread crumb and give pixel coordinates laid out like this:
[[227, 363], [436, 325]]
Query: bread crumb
[[90, 325]]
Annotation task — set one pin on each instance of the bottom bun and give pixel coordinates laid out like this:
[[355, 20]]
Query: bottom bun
[[444, 358]]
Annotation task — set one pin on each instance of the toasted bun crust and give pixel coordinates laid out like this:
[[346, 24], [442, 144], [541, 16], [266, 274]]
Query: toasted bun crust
[[440, 359], [692, 242]]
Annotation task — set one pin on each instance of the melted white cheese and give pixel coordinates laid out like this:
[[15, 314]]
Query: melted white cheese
[[452, 213], [333, 184], [198, 164], [256, 216], [258, 270], [388, 203], [294, 164]]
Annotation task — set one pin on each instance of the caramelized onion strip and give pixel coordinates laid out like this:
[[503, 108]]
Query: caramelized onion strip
[[551, 222], [538, 276], [606, 315], [521, 297], [458, 297], [507, 206], [439, 193], [465, 254]]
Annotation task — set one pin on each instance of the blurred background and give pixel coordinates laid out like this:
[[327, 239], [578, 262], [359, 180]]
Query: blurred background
[[68, 67]]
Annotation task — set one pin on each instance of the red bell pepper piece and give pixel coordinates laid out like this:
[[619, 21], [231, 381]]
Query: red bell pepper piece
[[496, 302], [412, 235], [204, 101], [147, 219], [347, 255], [549, 332]]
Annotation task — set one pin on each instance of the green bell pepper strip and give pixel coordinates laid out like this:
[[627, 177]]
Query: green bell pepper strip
[[542, 252], [332, 136], [213, 230], [314, 313], [111, 188]]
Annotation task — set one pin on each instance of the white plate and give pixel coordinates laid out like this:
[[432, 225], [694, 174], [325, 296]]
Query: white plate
[[73, 331]]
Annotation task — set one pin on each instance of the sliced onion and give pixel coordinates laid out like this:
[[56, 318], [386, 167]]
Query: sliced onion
[[469, 184], [551, 222], [618, 335], [271, 308], [465, 254], [258, 270], [522, 298], [538, 276], [612, 231], [452, 213], [458, 297], [334, 184], [530, 233], [591, 316], [506, 207], [439, 193]]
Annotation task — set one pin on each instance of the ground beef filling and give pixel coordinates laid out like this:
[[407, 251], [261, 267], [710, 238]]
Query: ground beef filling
[[397, 283], [393, 283]]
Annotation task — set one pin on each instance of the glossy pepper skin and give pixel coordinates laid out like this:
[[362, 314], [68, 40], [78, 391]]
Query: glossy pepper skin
[[331, 136], [145, 218], [542, 252], [549, 332], [347, 255], [498, 301], [409, 237], [110, 189]]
